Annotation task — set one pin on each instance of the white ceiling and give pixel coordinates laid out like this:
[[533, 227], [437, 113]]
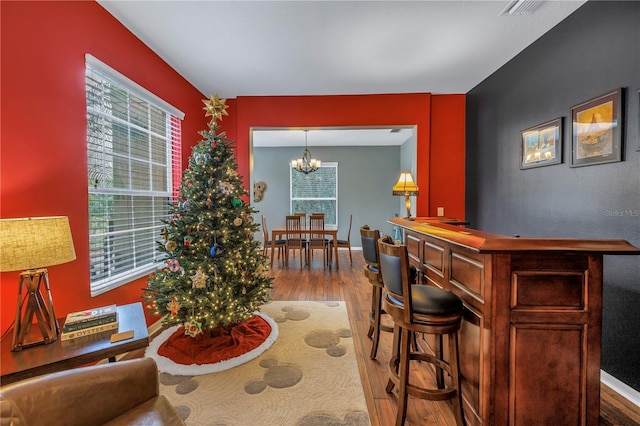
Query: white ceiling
[[262, 48], [331, 137]]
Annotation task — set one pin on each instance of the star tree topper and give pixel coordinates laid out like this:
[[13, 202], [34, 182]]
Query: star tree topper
[[215, 107]]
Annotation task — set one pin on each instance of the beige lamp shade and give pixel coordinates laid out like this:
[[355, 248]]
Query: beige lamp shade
[[405, 185], [37, 242]]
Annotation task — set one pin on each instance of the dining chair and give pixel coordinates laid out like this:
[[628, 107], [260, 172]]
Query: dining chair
[[294, 240], [344, 243], [303, 219], [317, 240], [303, 224], [279, 244], [419, 308]]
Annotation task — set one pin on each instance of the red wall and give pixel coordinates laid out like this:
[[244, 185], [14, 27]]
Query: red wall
[[446, 180], [43, 168], [440, 133], [43, 133]]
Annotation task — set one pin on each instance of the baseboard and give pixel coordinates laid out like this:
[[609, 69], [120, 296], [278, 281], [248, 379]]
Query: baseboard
[[625, 391]]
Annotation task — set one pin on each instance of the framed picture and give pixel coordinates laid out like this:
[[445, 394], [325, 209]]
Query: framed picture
[[597, 130], [541, 145]]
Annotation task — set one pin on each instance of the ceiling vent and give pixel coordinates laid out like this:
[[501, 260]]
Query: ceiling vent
[[521, 7]]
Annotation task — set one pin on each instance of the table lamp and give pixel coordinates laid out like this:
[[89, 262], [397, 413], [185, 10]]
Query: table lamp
[[406, 186], [30, 245]]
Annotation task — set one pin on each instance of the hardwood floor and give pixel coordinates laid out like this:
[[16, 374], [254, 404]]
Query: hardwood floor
[[349, 284]]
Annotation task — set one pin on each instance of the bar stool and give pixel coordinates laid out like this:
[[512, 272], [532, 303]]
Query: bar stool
[[369, 238], [419, 309]]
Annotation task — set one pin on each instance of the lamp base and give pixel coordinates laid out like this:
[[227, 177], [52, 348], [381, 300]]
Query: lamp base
[[34, 304], [407, 204]]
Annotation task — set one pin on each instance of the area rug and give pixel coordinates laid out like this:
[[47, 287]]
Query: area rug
[[308, 377]]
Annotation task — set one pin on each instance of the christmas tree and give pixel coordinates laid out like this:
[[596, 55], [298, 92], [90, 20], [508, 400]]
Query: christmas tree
[[215, 274]]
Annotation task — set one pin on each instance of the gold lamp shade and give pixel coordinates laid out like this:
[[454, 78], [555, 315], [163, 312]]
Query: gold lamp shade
[[28, 244], [406, 187], [38, 242]]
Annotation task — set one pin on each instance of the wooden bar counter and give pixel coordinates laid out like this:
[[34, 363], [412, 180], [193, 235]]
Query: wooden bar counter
[[530, 343]]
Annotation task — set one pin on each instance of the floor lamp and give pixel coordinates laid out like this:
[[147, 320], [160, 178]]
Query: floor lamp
[[30, 245], [406, 186]]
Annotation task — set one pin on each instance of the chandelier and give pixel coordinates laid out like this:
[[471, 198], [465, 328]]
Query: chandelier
[[306, 164]]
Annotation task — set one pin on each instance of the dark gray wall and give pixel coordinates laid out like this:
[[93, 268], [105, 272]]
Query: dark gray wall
[[366, 175], [595, 50]]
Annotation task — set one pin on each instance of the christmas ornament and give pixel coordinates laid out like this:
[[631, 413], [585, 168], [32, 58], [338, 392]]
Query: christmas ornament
[[209, 202], [170, 245], [236, 202], [199, 279], [185, 205], [237, 221], [193, 328], [216, 250], [225, 187], [188, 239], [173, 265], [173, 307]]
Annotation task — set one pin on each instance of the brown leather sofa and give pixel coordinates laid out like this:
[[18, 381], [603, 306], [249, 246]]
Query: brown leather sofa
[[120, 393]]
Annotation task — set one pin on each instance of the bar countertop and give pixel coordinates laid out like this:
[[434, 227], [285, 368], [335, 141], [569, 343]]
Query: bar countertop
[[485, 242]]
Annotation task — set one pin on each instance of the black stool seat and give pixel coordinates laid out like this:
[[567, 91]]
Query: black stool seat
[[373, 269], [428, 300]]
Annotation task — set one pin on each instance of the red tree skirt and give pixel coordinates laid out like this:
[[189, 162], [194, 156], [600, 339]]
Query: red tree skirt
[[215, 345]]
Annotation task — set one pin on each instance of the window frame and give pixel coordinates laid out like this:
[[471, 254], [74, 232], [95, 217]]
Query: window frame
[[324, 164], [170, 176]]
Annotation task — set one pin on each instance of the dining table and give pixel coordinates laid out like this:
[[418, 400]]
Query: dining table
[[277, 234]]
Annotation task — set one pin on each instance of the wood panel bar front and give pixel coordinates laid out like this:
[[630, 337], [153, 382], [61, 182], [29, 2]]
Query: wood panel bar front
[[530, 342]]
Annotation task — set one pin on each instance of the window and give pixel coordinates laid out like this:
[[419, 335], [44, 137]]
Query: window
[[134, 172], [316, 192]]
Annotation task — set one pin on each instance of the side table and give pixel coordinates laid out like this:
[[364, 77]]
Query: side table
[[59, 355]]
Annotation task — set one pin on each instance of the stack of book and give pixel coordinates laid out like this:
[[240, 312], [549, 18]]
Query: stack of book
[[91, 321]]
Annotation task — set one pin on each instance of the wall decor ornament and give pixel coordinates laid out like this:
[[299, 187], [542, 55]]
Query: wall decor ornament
[[541, 145], [258, 191], [597, 130]]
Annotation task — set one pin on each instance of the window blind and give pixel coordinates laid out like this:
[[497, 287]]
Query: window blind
[[316, 192], [134, 172]]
